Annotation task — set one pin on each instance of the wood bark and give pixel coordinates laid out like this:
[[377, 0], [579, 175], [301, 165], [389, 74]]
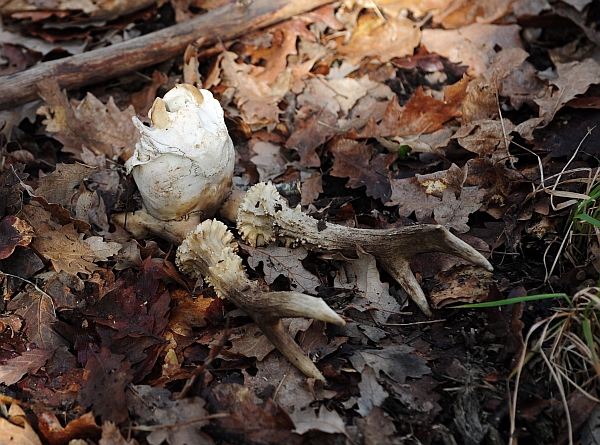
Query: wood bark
[[226, 23]]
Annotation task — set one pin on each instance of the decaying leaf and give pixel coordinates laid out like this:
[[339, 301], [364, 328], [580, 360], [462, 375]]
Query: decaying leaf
[[285, 384], [268, 423], [180, 423], [17, 429], [396, 37], [11, 371], [319, 420], [65, 249], [107, 377], [363, 165], [78, 429], [284, 261], [60, 185], [250, 342], [463, 284], [268, 160], [441, 194], [362, 277], [472, 45], [397, 361], [13, 232], [421, 114], [100, 128], [574, 78], [372, 393], [39, 313]]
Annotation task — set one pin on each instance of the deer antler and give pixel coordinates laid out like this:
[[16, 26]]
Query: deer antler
[[265, 216], [210, 251]]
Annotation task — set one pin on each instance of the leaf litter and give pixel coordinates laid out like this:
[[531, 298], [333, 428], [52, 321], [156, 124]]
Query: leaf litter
[[384, 114]]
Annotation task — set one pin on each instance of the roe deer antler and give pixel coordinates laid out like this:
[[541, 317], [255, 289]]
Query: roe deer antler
[[264, 216]]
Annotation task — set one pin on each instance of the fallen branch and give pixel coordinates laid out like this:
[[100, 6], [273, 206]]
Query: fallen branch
[[226, 23]]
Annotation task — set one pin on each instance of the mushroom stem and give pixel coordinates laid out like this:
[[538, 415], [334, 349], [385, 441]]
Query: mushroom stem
[[210, 251], [265, 216]]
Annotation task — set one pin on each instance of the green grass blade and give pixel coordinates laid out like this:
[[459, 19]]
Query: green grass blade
[[587, 218], [509, 301]]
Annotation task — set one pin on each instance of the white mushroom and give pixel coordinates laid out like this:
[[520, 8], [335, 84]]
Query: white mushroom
[[183, 164]]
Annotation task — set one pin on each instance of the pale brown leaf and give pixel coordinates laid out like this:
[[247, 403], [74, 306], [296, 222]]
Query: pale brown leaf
[[11, 371], [362, 277], [284, 261], [322, 420]]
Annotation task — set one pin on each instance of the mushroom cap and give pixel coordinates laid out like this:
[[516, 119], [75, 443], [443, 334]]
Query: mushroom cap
[[184, 161]]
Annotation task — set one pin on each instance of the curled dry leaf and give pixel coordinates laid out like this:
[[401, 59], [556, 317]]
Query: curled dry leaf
[[13, 232], [472, 45], [396, 37], [31, 361], [101, 128], [16, 427]]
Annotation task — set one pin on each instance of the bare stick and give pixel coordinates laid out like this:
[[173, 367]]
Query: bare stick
[[226, 23]]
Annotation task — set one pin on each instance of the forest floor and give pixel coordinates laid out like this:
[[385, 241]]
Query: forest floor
[[479, 116]]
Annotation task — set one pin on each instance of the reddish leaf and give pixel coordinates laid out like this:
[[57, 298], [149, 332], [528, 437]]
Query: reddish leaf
[[13, 232], [14, 369], [54, 433], [38, 311], [310, 134], [104, 389], [364, 167]]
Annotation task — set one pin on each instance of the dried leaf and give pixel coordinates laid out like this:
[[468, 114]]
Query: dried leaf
[[472, 45], [256, 100], [396, 37], [421, 114], [16, 429], [362, 276], [13, 232], [59, 186], [284, 261], [574, 78], [397, 361], [322, 420], [377, 427], [38, 311], [360, 162], [268, 160], [283, 44], [11, 192], [102, 250], [54, 433], [464, 12], [482, 100], [441, 193], [462, 284], [287, 386], [65, 249], [372, 393], [266, 424], [14, 369], [312, 187], [111, 435], [107, 377], [250, 342], [103, 129], [312, 133], [180, 423]]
